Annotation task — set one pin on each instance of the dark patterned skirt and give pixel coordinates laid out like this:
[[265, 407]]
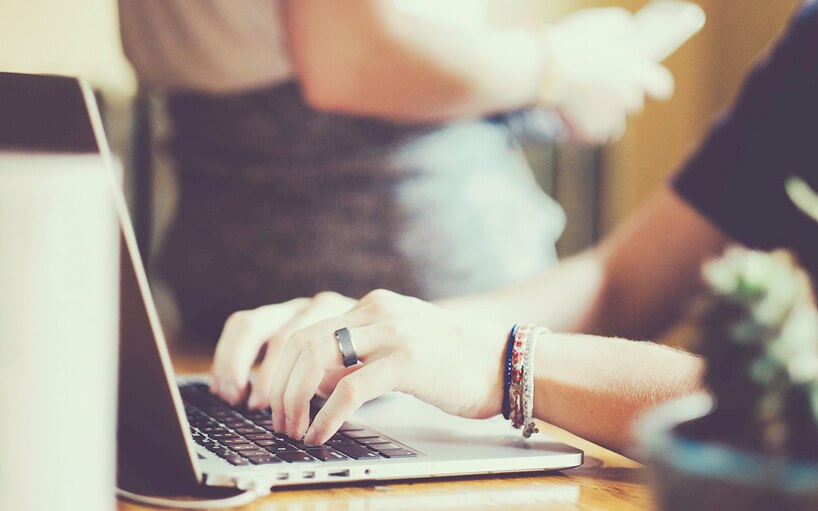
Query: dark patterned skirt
[[279, 201]]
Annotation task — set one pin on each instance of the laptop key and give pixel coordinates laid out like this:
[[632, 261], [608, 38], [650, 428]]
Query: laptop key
[[398, 453], [360, 433], [373, 440], [260, 436], [264, 459], [386, 447], [257, 415], [354, 451], [244, 447], [236, 460], [326, 454], [232, 441], [258, 452], [279, 446], [246, 430], [295, 457], [224, 453], [223, 436], [298, 444]]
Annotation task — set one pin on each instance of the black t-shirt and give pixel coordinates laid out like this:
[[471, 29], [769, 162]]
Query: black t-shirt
[[737, 177]]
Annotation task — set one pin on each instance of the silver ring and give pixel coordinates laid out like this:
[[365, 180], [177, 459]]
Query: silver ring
[[348, 353]]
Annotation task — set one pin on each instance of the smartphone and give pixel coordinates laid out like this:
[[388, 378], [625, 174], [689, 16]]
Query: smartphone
[[662, 26]]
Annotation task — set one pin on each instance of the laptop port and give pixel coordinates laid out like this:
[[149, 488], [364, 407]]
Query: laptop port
[[308, 475], [282, 476], [340, 473]]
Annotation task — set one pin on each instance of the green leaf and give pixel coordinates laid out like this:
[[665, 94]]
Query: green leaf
[[803, 196]]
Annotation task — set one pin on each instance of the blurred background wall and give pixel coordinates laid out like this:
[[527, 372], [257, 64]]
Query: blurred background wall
[[81, 37]]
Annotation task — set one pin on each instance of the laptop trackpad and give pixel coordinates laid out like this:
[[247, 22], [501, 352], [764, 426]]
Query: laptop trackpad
[[425, 427]]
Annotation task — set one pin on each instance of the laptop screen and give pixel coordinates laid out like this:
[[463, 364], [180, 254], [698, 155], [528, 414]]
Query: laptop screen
[[44, 114]]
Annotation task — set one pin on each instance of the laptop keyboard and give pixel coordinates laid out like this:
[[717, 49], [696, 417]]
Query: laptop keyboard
[[246, 437]]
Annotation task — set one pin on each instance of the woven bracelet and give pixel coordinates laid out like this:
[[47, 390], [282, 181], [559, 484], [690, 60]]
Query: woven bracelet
[[518, 352], [521, 384]]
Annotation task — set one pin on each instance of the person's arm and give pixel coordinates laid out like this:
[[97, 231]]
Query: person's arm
[[640, 277], [366, 57], [631, 284], [593, 386], [596, 387]]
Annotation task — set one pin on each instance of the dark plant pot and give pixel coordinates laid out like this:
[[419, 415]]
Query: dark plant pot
[[692, 474]]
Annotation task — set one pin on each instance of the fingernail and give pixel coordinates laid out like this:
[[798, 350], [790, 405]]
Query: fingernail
[[253, 401], [311, 436], [214, 386]]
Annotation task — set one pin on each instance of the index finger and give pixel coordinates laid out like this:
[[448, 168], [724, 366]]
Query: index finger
[[353, 390]]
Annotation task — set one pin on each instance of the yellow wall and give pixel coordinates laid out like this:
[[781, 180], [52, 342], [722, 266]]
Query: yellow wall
[[74, 37]]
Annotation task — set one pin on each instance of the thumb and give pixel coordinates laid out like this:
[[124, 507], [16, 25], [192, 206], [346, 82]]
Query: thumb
[[657, 81]]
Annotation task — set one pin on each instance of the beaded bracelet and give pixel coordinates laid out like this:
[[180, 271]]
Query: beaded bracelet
[[518, 351], [529, 426], [518, 394]]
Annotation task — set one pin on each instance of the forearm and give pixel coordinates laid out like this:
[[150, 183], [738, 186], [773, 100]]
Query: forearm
[[633, 284], [596, 387], [374, 60], [565, 298]]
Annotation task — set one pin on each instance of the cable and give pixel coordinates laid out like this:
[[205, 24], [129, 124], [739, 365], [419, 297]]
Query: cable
[[237, 500]]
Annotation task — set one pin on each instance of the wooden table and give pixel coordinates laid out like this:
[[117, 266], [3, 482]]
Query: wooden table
[[605, 481]]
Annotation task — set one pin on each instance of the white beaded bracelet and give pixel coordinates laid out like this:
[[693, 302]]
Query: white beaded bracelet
[[521, 388], [529, 426]]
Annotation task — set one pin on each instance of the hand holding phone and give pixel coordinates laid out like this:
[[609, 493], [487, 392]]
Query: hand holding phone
[[605, 62]]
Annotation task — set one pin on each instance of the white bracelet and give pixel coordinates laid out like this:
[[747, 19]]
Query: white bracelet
[[529, 426]]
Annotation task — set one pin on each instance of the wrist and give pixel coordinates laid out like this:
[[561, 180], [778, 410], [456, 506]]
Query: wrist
[[544, 356]]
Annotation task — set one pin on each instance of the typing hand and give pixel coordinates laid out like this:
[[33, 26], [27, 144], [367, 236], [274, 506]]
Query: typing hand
[[269, 327], [598, 78], [403, 344]]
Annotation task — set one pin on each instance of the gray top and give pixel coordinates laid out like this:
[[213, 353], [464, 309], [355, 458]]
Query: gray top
[[214, 46]]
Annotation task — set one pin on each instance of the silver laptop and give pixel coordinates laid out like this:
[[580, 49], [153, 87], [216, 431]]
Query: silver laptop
[[174, 434]]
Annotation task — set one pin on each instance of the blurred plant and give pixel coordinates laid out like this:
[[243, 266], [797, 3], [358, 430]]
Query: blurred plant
[[759, 333]]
